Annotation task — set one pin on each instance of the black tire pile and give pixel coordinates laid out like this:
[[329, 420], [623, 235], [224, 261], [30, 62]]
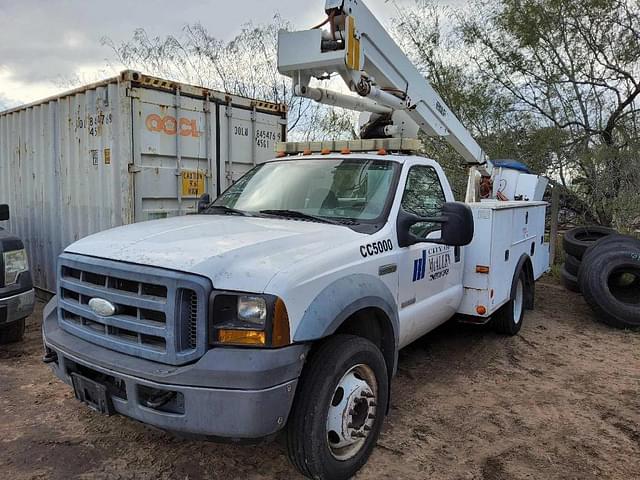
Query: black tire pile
[[605, 267]]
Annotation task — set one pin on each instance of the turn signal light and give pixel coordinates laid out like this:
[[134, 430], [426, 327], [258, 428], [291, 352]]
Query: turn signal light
[[345, 151], [481, 309], [325, 151], [382, 151], [242, 337], [482, 269], [307, 152], [281, 154], [280, 334]]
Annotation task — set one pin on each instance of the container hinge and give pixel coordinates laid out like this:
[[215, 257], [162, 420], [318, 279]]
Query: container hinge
[[228, 111], [282, 121], [134, 168]]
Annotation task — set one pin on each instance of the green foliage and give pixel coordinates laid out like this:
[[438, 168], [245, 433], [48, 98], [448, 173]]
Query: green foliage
[[552, 83]]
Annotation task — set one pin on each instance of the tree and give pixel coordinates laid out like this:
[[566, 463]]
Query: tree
[[428, 33], [572, 67], [246, 65]]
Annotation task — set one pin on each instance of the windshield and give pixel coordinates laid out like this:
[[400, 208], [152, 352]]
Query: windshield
[[336, 189]]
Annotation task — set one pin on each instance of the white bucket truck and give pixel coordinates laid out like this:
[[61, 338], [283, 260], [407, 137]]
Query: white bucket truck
[[281, 307]]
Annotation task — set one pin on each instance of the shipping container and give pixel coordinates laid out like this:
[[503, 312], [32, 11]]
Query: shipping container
[[127, 149]]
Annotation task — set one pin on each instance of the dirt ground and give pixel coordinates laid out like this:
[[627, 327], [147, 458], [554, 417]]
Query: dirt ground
[[559, 401]]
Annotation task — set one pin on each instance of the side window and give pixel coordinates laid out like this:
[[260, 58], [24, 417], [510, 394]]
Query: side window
[[423, 196]]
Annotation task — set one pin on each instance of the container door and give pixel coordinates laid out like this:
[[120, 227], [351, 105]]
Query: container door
[[174, 144], [247, 138]]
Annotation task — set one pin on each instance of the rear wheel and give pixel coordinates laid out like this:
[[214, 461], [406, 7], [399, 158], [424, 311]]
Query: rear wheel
[[339, 409], [12, 333], [508, 320]]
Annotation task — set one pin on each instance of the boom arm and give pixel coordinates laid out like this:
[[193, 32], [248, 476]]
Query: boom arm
[[390, 87]]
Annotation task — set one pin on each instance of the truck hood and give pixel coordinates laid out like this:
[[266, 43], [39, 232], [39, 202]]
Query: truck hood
[[236, 253]]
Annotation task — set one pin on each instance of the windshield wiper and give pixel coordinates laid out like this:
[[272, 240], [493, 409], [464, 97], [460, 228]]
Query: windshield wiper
[[300, 215], [226, 210]]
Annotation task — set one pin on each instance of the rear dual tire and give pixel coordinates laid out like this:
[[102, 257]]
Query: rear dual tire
[[508, 320]]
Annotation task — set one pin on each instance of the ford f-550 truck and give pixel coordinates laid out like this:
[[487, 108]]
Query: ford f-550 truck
[[282, 306], [17, 297]]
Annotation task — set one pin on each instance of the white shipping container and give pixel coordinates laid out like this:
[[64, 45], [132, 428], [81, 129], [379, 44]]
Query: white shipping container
[[128, 149]]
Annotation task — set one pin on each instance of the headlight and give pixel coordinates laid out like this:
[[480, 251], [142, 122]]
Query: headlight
[[249, 320], [15, 262], [252, 310]]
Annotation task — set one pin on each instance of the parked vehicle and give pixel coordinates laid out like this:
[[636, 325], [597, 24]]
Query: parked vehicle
[[17, 296], [282, 306], [124, 150]]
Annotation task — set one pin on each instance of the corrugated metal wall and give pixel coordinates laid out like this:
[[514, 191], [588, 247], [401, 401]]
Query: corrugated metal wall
[[123, 150], [63, 172]]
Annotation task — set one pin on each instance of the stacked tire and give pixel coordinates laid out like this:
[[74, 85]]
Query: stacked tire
[[576, 242], [609, 279]]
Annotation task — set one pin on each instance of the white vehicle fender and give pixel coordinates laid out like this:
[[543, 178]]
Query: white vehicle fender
[[340, 300]]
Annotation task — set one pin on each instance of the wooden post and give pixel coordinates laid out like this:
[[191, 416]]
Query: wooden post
[[555, 210]]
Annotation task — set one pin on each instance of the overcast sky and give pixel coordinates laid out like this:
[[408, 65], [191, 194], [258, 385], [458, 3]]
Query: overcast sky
[[45, 42]]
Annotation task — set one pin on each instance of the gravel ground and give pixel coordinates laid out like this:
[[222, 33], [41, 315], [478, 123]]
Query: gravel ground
[[559, 401]]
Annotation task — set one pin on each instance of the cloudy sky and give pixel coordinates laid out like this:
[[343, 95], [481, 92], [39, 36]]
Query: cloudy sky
[[43, 43]]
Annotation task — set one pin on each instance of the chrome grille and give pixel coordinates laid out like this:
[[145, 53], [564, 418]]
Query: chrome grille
[[193, 319], [158, 312]]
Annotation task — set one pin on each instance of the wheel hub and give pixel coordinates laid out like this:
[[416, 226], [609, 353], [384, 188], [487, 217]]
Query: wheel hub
[[352, 412]]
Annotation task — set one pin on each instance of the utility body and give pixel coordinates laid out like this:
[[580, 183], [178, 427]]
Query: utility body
[[282, 305]]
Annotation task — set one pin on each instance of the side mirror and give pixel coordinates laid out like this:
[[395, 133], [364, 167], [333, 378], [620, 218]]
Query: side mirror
[[203, 202], [456, 226], [4, 213]]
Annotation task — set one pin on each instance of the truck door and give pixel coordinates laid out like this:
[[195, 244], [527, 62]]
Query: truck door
[[430, 274]]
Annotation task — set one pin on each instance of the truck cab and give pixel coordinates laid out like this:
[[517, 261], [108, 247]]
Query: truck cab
[[17, 296], [280, 307]]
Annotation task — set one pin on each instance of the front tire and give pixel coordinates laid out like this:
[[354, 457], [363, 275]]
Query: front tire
[[12, 333], [339, 409]]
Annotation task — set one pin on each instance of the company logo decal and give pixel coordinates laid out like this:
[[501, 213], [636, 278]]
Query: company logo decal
[[102, 307], [436, 259], [168, 125]]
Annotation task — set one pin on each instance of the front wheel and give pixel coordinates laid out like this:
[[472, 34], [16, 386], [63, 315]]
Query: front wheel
[[339, 409], [12, 333]]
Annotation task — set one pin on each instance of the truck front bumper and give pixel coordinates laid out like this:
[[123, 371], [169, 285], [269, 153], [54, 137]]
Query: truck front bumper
[[232, 393], [16, 307]]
